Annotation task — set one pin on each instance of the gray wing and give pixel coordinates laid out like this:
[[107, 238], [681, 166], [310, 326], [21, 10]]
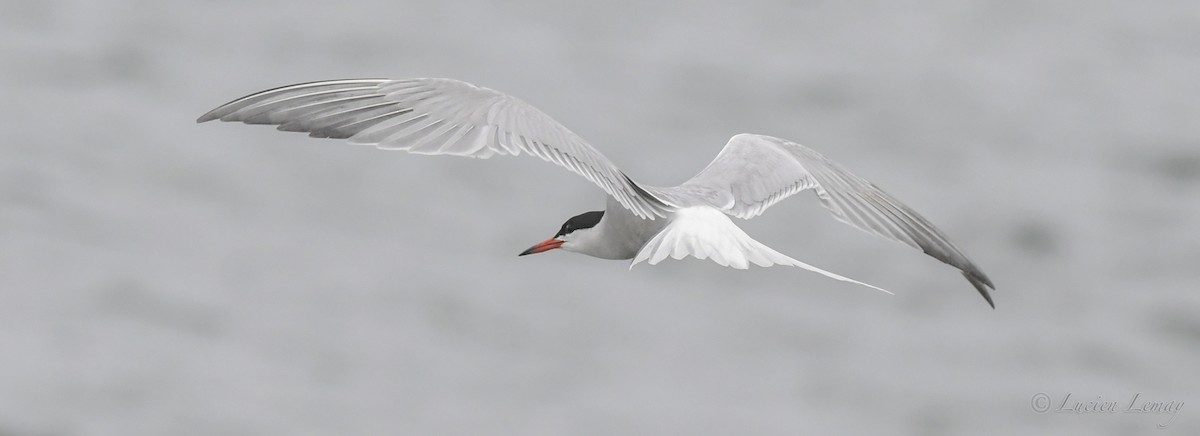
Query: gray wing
[[754, 172], [434, 116]]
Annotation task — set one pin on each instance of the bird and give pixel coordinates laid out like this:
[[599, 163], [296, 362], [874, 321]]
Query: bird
[[437, 116]]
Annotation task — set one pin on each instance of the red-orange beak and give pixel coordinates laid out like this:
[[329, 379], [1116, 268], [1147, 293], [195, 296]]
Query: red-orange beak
[[546, 245]]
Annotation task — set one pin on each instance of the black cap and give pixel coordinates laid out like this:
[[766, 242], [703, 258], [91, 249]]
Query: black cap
[[584, 220]]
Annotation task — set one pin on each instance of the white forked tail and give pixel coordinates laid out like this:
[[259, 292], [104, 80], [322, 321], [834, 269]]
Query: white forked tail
[[706, 233]]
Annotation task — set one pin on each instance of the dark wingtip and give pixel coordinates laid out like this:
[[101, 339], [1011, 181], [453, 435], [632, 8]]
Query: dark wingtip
[[981, 283], [206, 118]]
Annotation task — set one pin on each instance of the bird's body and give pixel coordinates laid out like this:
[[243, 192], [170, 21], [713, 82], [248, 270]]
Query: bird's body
[[640, 222]]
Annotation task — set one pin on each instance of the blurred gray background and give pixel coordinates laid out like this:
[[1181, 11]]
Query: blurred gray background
[[159, 277]]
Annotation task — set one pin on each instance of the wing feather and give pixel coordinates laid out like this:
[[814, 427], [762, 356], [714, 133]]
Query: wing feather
[[435, 116], [757, 171]]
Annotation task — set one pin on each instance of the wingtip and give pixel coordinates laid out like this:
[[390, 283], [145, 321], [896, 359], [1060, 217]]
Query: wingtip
[[206, 118], [981, 284]]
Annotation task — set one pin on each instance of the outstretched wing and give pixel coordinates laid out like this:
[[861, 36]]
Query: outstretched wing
[[754, 172], [434, 116]]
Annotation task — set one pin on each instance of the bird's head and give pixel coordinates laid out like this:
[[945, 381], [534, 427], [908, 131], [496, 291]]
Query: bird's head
[[572, 234]]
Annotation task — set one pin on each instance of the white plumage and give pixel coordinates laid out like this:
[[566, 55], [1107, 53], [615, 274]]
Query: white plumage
[[706, 233]]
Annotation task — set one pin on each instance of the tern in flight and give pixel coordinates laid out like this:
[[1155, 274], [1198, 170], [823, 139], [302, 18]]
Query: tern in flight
[[639, 222]]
